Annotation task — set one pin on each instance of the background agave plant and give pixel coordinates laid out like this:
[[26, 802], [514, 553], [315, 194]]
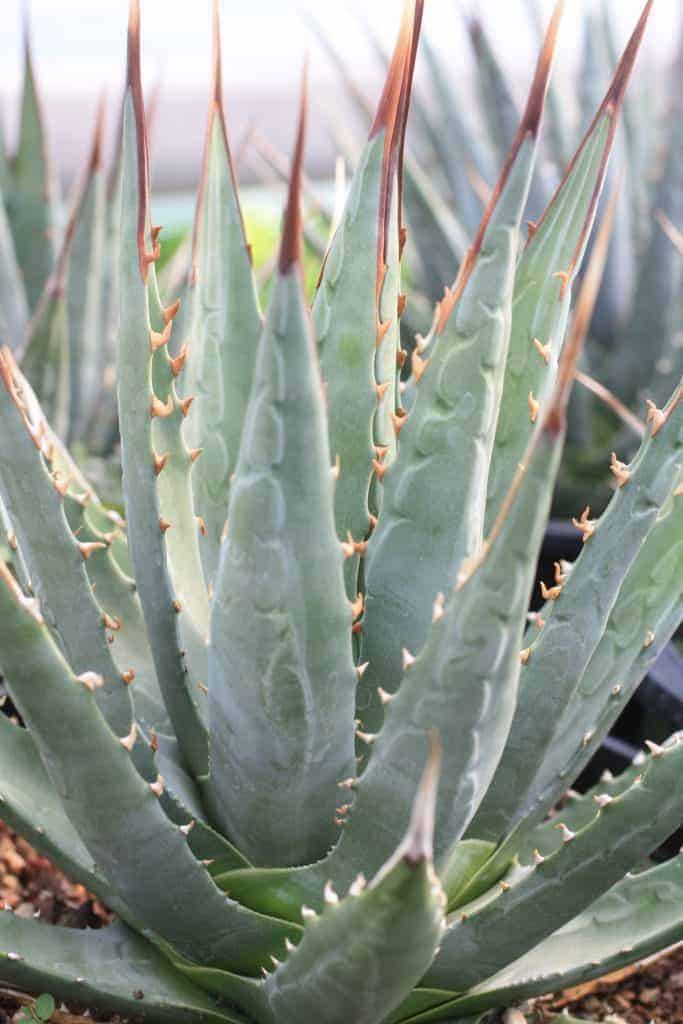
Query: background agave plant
[[194, 687], [640, 292]]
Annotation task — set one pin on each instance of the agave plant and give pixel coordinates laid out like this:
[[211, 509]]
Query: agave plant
[[226, 736], [640, 292]]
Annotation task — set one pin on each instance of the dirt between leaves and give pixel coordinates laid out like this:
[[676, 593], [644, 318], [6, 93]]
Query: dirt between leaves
[[31, 886]]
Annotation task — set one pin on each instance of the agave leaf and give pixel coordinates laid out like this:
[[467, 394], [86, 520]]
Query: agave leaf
[[355, 309], [30, 202], [282, 695], [374, 944], [645, 614], [224, 327], [112, 969], [446, 440], [83, 285], [543, 283], [31, 490], [30, 805], [636, 918], [46, 356], [171, 632], [558, 658], [116, 813], [13, 303], [547, 896]]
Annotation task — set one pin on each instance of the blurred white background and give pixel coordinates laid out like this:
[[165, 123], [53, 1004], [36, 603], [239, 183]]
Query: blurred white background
[[79, 49]]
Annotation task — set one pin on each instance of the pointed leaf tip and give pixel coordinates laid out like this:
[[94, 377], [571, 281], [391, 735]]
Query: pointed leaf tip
[[290, 246], [536, 101], [217, 58], [528, 125], [419, 841], [134, 86], [617, 90]]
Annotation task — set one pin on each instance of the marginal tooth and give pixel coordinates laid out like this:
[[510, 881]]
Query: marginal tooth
[[616, 690], [544, 351], [128, 742], [185, 404], [171, 312], [679, 491], [567, 834], [88, 548], [159, 462], [603, 800], [91, 680], [178, 363], [382, 329], [649, 639], [308, 914], [381, 390], [194, 453], [532, 228], [14, 956], [505, 886], [357, 886], [534, 406], [177, 607], [128, 676], [585, 524], [157, 787], [274, 961], [366, 737], [438, 607], [61, 486], [419, 366], [402, 303], [349, 783], [362, 669], [385, 698], [164, 524], [379, 468], [111, 622], [158, 340], [587, 738], [336, 469], [539, 622], [202, 525], [565, 277], [654, 748], [357, 607], [373, 522], [560, 575], [161, 409], [620, 470], [398, 421], [655, 416], [401, 357], [525, 655], [329, 895], [348, 547], [289, 946], [550, 593], [264, 972], [408, 659], [12, 539], [538, 858]]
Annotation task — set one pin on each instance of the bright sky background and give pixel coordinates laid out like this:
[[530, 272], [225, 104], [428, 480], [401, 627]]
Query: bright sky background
[[80, 44]]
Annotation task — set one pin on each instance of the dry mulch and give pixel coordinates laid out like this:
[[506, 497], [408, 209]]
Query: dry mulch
[[31, 886]]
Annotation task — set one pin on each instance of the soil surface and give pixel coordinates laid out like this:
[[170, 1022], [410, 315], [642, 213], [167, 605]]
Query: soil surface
[[30, 885]]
